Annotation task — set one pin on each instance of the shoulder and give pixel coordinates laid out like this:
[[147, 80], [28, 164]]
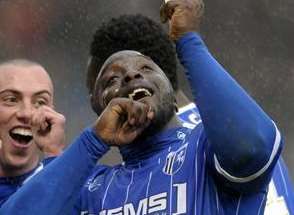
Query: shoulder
[[97, 178]]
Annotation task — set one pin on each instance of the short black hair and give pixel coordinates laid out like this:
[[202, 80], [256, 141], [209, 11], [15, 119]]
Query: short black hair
[[132, 32]]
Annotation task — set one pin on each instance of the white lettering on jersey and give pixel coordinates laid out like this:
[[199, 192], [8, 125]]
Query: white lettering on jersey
[[142, 208], [149, 205], [181, 198], [275, 204], [157, 202], [153, 204]]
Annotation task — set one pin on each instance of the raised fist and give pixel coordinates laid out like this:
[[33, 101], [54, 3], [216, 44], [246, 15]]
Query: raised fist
[[183, 15], [48, 130], [122, 121]]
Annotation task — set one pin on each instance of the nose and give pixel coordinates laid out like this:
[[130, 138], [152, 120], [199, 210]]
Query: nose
[[24, 113], [132, 75]]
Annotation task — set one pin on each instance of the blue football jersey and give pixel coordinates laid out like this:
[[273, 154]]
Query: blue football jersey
[[9, 185], [280, 198], [223, 166], [192, 171], [174, 175]]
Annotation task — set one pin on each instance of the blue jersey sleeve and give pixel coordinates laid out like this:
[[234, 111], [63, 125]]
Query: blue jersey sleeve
[[61, 180], [280, 195], [245, 143]]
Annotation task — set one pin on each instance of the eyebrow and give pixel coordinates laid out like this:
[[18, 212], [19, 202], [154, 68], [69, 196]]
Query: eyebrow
[[43, 92], [106, 67], [18, 92]]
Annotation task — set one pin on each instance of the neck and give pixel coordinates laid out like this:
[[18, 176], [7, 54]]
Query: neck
[[12, 171], [173, 123], [138, 152]]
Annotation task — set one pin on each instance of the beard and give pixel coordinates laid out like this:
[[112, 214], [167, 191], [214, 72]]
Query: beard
[[165, 111]]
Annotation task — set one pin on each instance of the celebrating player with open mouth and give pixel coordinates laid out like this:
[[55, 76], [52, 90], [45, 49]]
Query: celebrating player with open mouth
[[223, 166]]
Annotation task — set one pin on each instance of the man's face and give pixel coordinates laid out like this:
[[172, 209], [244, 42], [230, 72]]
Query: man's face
[[132, 75], [22, 91]]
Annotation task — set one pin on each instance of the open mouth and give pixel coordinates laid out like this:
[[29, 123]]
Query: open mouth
[[21, 135], [140, 93]]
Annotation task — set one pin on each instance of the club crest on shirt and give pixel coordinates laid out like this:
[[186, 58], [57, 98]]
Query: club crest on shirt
[[175, 160]]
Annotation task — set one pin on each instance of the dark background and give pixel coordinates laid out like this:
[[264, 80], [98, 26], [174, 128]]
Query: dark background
[[252, 39]]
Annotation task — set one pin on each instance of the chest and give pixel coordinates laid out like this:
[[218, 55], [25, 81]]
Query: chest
[[165, 185]]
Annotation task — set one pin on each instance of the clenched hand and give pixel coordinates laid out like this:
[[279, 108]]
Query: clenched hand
[[184, 16], [122, 121]]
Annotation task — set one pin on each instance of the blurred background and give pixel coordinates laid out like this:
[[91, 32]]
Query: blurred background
[[252, 39]]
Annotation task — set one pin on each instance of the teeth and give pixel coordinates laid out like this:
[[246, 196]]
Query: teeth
[[139, 90], [22, 131]]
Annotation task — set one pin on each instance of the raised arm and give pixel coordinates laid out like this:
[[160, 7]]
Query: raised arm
[[245, 141], [55, 189]]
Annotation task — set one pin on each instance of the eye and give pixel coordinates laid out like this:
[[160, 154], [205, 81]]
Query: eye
[[40, 102], [10, 100], [112, 80], [146, 68]]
